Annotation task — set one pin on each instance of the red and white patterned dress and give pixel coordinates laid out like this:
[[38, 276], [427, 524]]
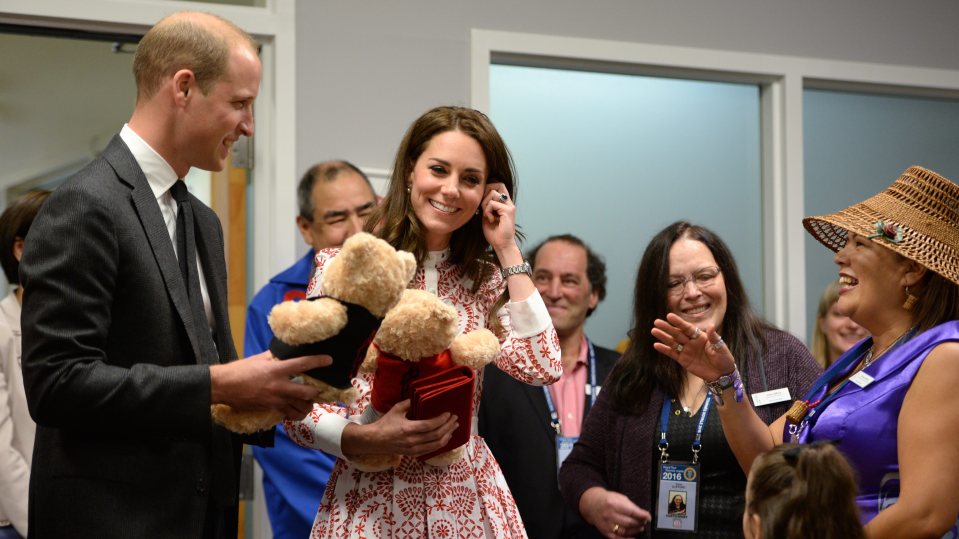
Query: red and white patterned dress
[[470, 498]]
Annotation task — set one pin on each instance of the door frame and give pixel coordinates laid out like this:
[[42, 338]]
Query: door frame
[[274, 27]]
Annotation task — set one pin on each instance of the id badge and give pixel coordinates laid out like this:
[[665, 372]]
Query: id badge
[[771, 397], [861, 379], [564, 445], [677, 497]]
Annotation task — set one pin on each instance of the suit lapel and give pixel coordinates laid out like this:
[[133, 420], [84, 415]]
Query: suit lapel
[[210, 250], [148, 211]]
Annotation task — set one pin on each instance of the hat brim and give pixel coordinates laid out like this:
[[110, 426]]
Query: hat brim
[[927, 238]]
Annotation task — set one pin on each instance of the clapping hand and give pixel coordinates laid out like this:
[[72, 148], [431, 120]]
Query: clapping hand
[[702, 353]]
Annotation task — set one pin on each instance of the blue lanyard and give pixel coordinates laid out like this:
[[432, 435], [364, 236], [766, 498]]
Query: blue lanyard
[[664, 426], [591, 389], [841, 366], [853, 355]]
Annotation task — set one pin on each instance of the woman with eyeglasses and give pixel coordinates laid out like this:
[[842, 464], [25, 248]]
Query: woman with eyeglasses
[[652, 433]]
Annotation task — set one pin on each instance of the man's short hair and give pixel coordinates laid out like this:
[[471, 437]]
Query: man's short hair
[[14, 223], [326, 171], [595, 266], [185, 41]]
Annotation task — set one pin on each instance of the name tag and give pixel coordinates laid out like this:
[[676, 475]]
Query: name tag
[[771, 397], [861, 379]]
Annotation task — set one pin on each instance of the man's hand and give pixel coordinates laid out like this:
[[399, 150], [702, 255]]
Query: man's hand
[[261, 382]]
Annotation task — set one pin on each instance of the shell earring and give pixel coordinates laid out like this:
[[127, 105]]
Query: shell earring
[[910, 302]]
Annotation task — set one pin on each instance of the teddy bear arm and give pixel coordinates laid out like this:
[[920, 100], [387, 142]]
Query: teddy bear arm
[[369, 362], [246, 422], [303, 322], [475, 349]]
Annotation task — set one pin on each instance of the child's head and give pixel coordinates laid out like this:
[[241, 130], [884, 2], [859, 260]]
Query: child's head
[[801, 491]]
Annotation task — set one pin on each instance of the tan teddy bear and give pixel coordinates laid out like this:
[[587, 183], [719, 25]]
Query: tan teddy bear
[[360, 284], [419, 339]]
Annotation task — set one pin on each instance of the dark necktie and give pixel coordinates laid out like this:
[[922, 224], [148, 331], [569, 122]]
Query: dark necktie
[[186, 256], [222, 466]]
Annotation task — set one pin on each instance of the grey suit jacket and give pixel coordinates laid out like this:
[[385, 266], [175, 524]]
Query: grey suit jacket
[[125, 446]]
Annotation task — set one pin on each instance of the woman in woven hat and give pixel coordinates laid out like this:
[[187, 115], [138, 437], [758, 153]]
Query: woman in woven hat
[[891, 401], [613, 473]]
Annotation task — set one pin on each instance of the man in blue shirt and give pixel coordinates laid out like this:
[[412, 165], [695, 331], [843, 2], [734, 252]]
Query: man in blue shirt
[[334, 199]]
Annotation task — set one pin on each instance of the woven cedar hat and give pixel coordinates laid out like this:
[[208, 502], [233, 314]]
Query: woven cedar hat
[[923, 204]]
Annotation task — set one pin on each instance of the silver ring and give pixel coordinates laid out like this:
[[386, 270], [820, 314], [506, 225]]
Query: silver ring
[[718, 344], [679, 348], [503, 197], [695, 334], [615, 529]]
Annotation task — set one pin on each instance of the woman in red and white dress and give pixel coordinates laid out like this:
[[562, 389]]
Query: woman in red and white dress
[[450, 203]]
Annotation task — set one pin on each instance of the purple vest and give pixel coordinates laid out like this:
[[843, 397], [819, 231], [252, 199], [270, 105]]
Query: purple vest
[[865, 420]]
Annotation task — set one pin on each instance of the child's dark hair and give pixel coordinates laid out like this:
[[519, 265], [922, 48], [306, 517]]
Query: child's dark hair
[[14, 224], [803, 491]]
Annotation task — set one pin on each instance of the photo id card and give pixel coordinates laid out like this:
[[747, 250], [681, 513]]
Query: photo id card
[[564, 445], [677, 496]]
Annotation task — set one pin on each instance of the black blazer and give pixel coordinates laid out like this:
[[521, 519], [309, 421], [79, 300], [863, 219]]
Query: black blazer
[[514, 421], [125, 446]]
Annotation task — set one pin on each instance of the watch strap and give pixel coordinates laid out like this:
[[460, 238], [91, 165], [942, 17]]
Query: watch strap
[[517, 269], [724, 382]]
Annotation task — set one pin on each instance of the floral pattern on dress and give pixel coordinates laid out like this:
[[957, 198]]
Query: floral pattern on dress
[[470, 498]]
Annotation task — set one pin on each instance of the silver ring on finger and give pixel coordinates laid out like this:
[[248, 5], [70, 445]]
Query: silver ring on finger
[[679, 348], [503, 197], [615, 529], [695, 334], [718, 344]]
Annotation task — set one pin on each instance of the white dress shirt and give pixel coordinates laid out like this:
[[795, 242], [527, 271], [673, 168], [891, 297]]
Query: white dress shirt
[[160, 176]]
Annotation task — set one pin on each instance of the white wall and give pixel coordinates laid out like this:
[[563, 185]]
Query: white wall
[[51, 117], [366, 69]]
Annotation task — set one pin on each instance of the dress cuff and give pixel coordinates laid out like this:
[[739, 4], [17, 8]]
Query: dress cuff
[[329, 433], [529, 317]]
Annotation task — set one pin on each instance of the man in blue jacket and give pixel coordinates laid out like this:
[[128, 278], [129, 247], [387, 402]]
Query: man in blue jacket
[[334, 199]]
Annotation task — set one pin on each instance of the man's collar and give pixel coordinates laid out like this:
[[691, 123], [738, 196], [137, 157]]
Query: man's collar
[[159, 173]]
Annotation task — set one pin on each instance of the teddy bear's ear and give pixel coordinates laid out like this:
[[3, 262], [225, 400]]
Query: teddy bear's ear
[[409, 265]]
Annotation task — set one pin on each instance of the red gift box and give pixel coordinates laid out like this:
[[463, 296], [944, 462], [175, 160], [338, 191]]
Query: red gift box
[[450, 391]]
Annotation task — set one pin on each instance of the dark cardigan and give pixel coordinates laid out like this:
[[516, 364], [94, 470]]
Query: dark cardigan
[[607, 454]]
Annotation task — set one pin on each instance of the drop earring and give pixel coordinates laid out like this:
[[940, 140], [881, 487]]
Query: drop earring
[[910, 302]]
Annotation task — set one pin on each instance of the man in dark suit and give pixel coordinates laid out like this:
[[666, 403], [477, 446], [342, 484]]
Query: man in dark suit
[[125, 345], [530, 429]]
